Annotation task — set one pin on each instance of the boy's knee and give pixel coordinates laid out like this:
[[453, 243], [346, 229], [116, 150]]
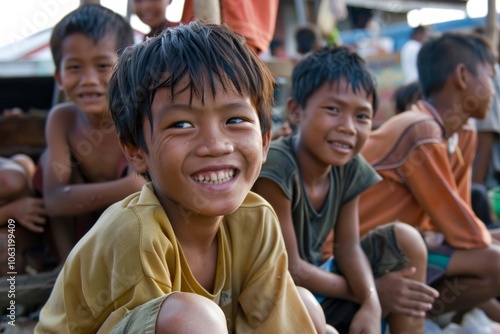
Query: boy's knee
[[14, 184], [410, 241], [190, 313], [314, 309]]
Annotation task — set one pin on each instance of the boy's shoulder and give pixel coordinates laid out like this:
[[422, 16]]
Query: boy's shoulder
[[394, 141], [65, 113]]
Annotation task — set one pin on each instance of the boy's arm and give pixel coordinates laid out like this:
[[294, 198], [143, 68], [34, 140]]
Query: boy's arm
[[354, 265], [482, 158], [63, 199], [304, 274], [433, 186]]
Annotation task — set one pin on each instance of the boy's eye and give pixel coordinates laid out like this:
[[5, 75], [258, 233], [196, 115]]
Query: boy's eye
[[235, 120], [332, 109], [104, 67], [72, 67], [182, 125], [364, 116]]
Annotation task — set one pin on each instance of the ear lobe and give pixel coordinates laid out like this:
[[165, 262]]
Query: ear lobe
[[136, 157], [293, 110]]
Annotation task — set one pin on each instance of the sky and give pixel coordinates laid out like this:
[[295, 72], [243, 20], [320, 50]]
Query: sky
[[22, 18]]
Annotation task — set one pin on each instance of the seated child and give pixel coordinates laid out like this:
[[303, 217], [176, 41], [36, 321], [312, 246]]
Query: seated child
[[194, 251], [22, 215], [83, 169], [313, 181], [424, 157]]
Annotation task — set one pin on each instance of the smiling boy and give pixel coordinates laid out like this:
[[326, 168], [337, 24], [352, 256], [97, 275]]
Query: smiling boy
[[194, 251], [313, 180], [83, 169]]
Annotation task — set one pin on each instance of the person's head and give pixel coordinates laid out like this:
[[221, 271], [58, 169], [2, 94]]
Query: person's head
[[419, 33], [308, 38], [333, 101], [192, 108], [406, 95], [85, 45], [462, 58], [151, 12]]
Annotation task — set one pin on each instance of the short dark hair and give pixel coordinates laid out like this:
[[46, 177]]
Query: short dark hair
[[439, 57], [202, 53], [405, 95], [94, 21], [331, 64], [306, 37]]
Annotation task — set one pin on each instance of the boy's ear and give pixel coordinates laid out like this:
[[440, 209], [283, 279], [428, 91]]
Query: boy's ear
[[461, 76], [266, 142], [136, 157], [57, 77], [293, 110]]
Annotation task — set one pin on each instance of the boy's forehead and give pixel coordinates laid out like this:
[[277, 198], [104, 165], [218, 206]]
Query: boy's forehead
[[106, 42]]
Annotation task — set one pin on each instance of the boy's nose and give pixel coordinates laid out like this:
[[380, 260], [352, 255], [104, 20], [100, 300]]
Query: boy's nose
[[90, 76], [346, 124], [213, 142]]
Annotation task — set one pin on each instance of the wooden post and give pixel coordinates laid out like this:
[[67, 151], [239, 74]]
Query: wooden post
[[491, 24], [207, 10]]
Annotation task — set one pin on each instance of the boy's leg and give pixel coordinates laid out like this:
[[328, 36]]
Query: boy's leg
[[472, 278], [178, 312], [398, 257]]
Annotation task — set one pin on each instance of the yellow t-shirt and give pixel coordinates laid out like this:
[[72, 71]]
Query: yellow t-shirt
[[131, 256]]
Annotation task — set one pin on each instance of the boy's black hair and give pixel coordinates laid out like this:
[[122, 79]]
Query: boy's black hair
[[94, 21], [306, 37], [330, 64], [204, 54], [405, 95], [439, 57]]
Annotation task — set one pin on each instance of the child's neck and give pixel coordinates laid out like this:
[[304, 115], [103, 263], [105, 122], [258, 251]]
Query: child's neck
[[452, 113]]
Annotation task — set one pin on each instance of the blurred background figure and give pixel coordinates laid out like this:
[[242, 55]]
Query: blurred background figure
[[409, 53]]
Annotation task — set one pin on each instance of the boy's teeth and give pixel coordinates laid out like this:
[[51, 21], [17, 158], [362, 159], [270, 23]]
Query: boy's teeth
[[215, 177]]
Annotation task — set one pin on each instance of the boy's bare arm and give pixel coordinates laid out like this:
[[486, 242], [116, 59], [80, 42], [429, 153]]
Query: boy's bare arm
[[482, 157], [62, 198], [354, 265], [304, 274]]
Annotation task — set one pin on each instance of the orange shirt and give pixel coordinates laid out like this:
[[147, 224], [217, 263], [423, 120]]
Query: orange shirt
[[255, 19], [427, 178]]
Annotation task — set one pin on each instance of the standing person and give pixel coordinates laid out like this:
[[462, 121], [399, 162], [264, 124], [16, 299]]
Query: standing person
[[313, 180], [83, 169], [255, 20], [425, 155], [19, 206], [194, 251], [152, 13], [409, 53]]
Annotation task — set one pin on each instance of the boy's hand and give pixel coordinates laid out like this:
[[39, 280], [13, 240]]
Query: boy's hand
[[400, 294], [29, 212], [368, 319]]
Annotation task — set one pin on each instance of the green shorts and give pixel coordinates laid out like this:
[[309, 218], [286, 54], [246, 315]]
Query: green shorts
[[142, 319], [437, 263], [384, 255]]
